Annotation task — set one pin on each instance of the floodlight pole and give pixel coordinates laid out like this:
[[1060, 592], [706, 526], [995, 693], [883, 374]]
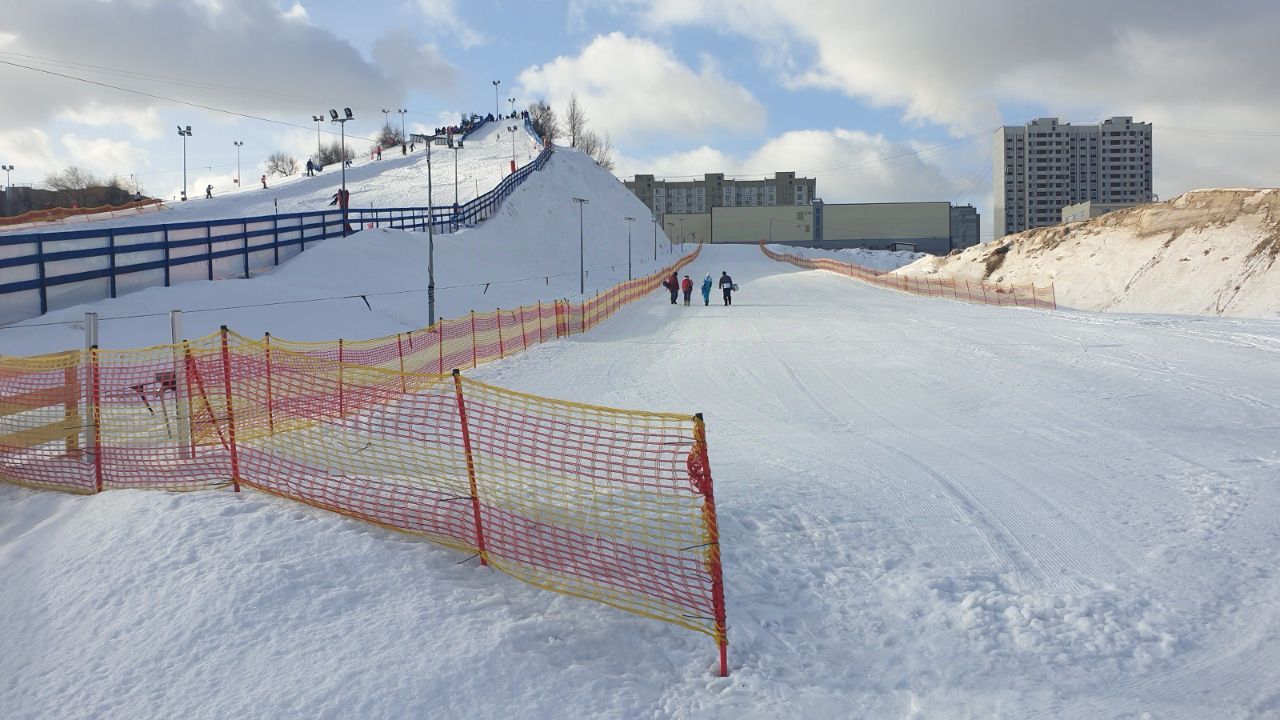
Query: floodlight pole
[[582, 272], [342, 193], [403, 137], [431, 246], [185, 134], [655, 237], [238, 145], [513, 105], [317, 119], [7, 170], [629, 221], [496, 83]]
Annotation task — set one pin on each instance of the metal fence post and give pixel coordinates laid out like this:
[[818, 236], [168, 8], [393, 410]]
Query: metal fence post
[[208, 246], [44, 290], [231, 416], [111, 249], [182, 409]]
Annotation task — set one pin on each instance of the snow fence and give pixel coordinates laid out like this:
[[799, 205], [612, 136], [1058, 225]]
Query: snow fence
[[600, 503], [976, 292]]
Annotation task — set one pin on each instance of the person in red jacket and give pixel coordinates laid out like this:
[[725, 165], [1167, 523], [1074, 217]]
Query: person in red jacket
[[686, 286], [672, 284]]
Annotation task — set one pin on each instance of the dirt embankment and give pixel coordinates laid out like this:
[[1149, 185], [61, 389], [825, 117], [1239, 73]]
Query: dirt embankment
[[1206, 252]]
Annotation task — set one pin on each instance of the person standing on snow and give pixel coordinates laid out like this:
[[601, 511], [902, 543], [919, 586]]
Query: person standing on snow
[[726, 285], [706, 289], [264, 182], [311, 168], [208, 191], [672, 284], [687, 286]]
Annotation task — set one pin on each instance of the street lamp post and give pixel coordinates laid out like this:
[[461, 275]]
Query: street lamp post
[[7, 169], [238, 145], [455, 176], [582, 272], [342, 192], [431, 237], [655, 237], [185, 134], [403, 137], [512, 129], [629, 221], [496, 83], [317, 119], [513, 105]]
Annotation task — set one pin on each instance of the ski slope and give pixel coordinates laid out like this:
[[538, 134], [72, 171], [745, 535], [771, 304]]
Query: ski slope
[[395, 181], [928, 509]]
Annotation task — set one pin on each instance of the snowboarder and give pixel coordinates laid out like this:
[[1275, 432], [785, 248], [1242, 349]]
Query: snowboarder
[[687, 287], [208, 191], [706, 289], [726, 284], [672, 284], [404, 149], [378, 150], [264, 182], [311, 168]]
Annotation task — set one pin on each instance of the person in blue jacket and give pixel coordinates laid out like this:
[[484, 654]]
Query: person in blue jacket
[[706, 289]]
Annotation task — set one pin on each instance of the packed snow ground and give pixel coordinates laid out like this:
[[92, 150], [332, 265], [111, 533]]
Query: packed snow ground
[[394, 181], [1206, 252], [928, 509]]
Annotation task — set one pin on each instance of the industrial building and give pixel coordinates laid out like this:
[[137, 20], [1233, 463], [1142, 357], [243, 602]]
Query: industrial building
[[1043, 166], [672, 197], [933, 227]]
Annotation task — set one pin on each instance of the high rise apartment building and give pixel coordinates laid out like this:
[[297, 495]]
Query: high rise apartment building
[[1043, 166], [699, 196]]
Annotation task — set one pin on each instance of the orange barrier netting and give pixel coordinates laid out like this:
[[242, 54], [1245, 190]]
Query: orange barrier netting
[[606, 504], [976, 292], [55, 214]]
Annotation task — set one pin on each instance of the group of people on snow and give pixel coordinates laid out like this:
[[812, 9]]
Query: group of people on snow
[[676, 286]]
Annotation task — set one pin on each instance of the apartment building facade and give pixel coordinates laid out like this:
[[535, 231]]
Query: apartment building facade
[[664, 197], [1043, 166]]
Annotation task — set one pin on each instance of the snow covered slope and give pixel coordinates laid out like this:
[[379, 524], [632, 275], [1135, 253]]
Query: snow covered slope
[[928, 509], [527, 252], [395, 181], [1207, 252]]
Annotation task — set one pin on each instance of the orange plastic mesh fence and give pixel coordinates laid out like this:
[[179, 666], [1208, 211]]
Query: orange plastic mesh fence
[[969, 291], [607, 504]]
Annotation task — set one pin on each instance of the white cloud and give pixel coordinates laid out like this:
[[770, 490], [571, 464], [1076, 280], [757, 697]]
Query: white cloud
[[957, 64], [145, 122], [851, 166], [443, 19], [631, 87], [103, 156], [297, 13]]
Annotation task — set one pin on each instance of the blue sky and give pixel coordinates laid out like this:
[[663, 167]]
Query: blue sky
[[878, 101]]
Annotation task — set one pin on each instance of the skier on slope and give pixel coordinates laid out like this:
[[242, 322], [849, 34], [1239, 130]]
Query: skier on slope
[[706, 289], [687, 286], [726, 285]]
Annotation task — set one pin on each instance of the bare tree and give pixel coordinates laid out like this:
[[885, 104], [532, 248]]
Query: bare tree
[[544, 121], [575, 120], [281, 163], [599, 148], [388, 137], [72, 178], [332, 153]]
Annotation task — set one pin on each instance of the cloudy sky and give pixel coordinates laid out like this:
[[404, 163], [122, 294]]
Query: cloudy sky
[[880, 101]]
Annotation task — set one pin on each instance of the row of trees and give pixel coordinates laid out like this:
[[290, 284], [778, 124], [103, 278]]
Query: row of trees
[[75, 185], [547, 124]]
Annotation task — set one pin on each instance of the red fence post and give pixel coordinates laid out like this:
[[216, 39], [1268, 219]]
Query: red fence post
[[231, 417], [400, 352], [342, 401], [524, 334], [473, 338], [95, 389], [700, 468], [440, 345], [540, 321], [271, 419], [471, 466], [502, 349]]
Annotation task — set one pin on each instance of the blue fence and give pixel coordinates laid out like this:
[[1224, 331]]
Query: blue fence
[[46, 271]]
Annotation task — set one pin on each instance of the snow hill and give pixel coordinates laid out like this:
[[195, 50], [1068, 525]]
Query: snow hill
[[928, 509], [1206, 252], [395, 181], [525, 253]]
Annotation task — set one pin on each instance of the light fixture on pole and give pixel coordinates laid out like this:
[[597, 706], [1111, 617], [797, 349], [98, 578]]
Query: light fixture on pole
[[496, 83], [455, 177], [317, 119], [582, 272], [513, 105], [430, 140], [512, 129], [185, 134], [629, 221], [342, 126], [386, 118], [238, 145], [403, 137], [7, 169]]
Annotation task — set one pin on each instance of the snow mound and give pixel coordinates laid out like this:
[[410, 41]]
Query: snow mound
[[882, 260], [1207, 252]]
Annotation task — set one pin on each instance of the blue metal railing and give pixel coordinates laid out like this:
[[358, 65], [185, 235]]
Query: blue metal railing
[[34, 266]]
